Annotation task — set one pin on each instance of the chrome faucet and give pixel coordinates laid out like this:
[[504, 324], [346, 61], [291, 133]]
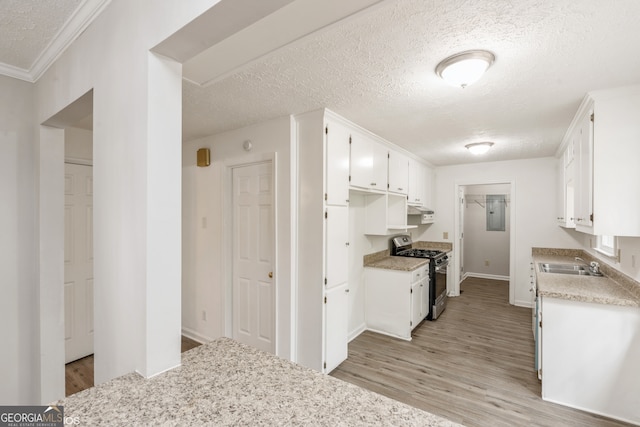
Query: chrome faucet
[[594, 267]]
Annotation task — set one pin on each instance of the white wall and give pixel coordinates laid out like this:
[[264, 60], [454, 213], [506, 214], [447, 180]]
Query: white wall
[[629, 247], [482, 246], [137, 143], [78, 144], [204, 279], [534, 222], [18, 266]]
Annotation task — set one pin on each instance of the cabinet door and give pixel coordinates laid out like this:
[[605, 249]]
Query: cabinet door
[[427, 187], [584, 183], [416, 304], [424, 297], [398, 172], [379, 166], [560, 188], [336, 245], [337, 164], [361, 161], [416, 183], [336, 324]]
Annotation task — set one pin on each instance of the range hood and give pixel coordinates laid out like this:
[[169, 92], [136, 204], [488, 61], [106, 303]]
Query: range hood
[[418, 210]]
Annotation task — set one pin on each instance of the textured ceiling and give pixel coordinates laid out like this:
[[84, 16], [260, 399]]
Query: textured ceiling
[[377, 70], [28, 26], [34, 32]]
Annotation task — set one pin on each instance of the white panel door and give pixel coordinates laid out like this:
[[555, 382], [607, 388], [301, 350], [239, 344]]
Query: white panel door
[[336, 326], [78, 262], [337, 173], [253, 253], [336, 246]]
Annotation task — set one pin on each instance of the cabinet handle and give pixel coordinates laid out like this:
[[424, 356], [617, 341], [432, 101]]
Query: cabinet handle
[[346, 244], [373, 184], [346, 290], [399, 189]]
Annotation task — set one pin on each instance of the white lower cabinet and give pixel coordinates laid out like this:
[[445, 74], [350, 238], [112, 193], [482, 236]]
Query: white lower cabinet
[[396, 301], [336, 309], [590, 356]]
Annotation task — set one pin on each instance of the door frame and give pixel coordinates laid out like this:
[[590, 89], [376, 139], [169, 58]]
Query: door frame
[[228, 242], [455, 290]]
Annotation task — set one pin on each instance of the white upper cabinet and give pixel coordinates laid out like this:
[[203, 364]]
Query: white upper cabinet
[[337, 165], [565, 190], [583, 140], [419, 184], [368, 163], [398, 172], [606, 132]]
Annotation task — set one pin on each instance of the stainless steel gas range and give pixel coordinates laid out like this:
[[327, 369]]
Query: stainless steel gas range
[[438, 264]]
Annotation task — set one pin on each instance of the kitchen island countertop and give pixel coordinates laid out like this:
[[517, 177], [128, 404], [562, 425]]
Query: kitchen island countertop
[[225, 383]]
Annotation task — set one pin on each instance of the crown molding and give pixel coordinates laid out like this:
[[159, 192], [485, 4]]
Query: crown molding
[[15, 72], [70, 31]]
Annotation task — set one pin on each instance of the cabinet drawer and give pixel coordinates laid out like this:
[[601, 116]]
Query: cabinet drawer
[[419, 273]]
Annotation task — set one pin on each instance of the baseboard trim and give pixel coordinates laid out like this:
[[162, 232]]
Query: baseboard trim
[[191, 334], [487, 276], [519, 303], [355, 333]]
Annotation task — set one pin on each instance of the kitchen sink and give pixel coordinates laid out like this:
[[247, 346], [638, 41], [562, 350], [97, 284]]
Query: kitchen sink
[[563, 266], [574, 269]]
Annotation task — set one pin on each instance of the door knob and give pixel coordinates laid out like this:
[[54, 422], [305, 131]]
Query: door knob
[[271, 275]]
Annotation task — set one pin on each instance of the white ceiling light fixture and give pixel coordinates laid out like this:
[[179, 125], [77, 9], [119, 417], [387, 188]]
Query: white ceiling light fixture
[[479, 147], [465, 68]]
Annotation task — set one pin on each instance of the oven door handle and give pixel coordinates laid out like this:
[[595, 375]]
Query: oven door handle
[[441, 267]]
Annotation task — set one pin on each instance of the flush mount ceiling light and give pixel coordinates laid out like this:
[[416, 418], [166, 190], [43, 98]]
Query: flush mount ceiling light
[[465, 68], [479, 147]]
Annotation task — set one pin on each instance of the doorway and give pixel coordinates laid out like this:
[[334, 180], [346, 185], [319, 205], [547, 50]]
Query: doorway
[[483, 215], [253, 285], [67, 189]]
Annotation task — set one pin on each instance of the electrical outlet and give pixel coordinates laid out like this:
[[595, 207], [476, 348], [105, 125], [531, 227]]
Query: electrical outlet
[[445, 235], [486, 263], [204, 315], [633, 261]]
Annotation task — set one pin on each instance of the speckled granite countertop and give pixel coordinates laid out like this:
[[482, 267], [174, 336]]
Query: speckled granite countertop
[[398, 263], [383, 259], [614, 288], [224, 383]]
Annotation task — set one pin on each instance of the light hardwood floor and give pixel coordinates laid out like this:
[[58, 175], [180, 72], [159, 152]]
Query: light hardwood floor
[[79, 374], [474, 365]]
